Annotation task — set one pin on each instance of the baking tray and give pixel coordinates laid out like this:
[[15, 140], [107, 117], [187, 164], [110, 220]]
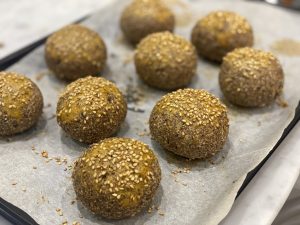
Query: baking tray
[[10, 60]]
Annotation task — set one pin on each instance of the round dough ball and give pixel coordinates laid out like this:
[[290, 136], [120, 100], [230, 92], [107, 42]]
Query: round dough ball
[[143, 17], [191, 123], [166, 61], [251, 77], [75, 51], [116, 177], [219, 33], [91, 109], [21, 103]]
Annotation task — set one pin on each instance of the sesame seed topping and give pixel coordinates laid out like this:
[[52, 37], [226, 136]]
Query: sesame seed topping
[[156, 65], [21, 103], [153, 15], [251, 77], [116, 179], [191, 123], [75, 51], [86, 96], [221, 32]]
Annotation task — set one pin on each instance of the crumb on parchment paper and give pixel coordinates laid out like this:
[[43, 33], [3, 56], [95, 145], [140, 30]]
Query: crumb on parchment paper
[[281, 102], [161, 213], [39, 76], [65, 222], [59, 211], [180, 171], [143, 132], [75, 223], [153, 207], [44, 199], [60, 160], [44, 154]]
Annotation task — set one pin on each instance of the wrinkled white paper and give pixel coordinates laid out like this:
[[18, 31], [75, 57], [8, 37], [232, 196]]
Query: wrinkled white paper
[[202, 196]]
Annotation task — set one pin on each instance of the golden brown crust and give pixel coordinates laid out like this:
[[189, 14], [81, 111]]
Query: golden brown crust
[[191, 123], [221, 32], [91, 109], [166, 61], [116, 177], [75, 51], [251, 77], [21, 103], [143, 17]]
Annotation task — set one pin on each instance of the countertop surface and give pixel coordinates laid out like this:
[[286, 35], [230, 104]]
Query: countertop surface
[[25, 21]]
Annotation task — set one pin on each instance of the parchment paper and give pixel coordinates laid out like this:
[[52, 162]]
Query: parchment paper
[[193, 193]]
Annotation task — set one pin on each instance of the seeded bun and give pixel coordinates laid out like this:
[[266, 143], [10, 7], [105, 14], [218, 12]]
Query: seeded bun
[[144, 17], [221, 32], [190, 123], [165, 61], [75, 51], [91, 109], [251, 77], [21, 103], [116, 177]]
